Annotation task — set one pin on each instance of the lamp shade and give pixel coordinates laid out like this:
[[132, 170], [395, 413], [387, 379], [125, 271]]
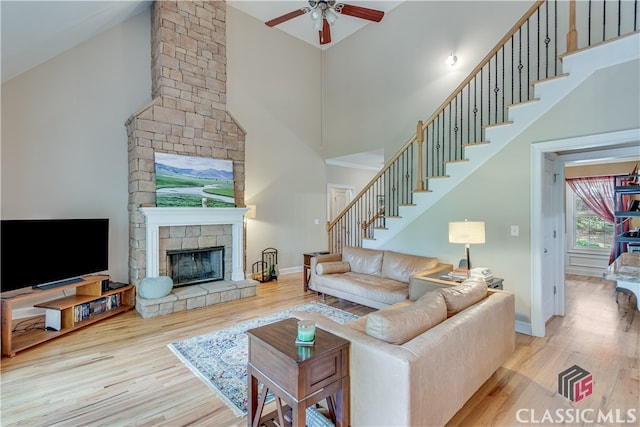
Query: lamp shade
[[466, 232]]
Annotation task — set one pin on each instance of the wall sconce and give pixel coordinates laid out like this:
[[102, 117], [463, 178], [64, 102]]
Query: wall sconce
[[451, 59], [466, 232], [251, 213]]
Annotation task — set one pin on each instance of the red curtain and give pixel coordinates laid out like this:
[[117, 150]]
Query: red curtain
[[597, 193]]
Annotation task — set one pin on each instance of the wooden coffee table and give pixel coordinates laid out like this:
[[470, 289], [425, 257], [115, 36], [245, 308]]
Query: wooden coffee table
[[299, 376]]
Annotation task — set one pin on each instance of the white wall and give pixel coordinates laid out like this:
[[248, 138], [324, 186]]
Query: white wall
[[499, 191], [273, 91], [64, 144], [380, 83]]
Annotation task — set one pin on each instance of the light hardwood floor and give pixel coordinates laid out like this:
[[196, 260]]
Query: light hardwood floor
[[120, 372]]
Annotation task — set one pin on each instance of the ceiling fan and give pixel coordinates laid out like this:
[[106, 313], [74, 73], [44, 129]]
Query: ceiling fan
[[325, 12]]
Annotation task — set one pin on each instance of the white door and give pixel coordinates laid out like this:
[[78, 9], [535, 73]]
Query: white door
[[550, 238], [339, 198]]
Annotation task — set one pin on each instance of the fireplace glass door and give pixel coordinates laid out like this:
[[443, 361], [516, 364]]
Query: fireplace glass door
[[188, 267]]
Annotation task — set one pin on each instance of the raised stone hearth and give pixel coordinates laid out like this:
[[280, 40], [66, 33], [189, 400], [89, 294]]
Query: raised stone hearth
[[203, 294], [196, 296]]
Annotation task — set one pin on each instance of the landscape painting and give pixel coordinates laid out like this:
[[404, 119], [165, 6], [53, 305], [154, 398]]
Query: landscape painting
[[189, 181]]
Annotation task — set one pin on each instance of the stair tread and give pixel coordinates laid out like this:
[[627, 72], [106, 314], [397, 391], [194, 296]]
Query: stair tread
[[497, 124], [529, 101], [456, 161], [558, 76], [474, 144]]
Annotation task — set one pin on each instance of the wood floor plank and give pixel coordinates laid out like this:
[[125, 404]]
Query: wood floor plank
[[120, 372]]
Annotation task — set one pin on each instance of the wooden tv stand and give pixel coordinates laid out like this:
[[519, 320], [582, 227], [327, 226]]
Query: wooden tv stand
[[88, 293]]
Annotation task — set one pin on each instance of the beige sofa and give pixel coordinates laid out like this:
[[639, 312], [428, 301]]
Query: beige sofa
[[371, 277], [417, 363]]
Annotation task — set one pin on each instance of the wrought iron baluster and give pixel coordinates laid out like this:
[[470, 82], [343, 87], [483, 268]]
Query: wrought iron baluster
[[528, 60], [589, 26], [496, 89], [547, 40], [520, 66], [538, 43], [475, 108], [504, 106], [555, 37], [604, 19]]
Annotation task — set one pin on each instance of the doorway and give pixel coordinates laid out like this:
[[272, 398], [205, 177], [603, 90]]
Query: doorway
[[612, 144], [338, 197]]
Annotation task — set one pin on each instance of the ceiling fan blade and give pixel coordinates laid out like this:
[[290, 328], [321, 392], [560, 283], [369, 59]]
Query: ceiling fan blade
[[286, 17], [360, 12], [325, 34]]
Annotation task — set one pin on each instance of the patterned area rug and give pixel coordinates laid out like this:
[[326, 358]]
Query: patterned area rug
[[219, 358]]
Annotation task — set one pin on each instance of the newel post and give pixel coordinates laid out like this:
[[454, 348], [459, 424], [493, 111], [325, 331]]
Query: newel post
[[572, 35], [420, 139]]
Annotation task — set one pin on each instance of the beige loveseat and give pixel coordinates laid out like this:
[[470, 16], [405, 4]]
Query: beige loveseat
[[417, 363], [371, 277]]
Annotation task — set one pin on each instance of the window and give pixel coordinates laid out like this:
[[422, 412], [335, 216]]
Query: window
[[586, 230]]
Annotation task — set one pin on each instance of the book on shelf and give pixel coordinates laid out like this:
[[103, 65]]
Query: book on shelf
[[459, 273], [99, 306], [81, 312]]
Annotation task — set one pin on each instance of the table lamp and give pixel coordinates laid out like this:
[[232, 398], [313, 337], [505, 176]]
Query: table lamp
[[466, 232]]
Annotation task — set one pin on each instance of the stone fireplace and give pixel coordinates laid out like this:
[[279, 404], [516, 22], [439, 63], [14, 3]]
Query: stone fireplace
[[187, 115]]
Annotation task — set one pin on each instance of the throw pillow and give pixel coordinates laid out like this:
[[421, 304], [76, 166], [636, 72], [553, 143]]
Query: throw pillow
[[155, 287], [399, 325], [461, 296], [332, 267], [362, 260]]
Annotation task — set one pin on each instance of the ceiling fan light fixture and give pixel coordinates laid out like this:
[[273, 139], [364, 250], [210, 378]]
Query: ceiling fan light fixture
[[331, 16], [324, 13], [316, 14]]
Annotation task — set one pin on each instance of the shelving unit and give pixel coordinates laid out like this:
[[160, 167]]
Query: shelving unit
[[88, 291], [624, 196]]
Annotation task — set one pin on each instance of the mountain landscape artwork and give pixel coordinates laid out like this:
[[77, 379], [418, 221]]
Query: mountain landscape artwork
[[190, 181]]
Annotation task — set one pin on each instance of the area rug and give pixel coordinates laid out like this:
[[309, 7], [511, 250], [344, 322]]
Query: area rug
[[219, 358]]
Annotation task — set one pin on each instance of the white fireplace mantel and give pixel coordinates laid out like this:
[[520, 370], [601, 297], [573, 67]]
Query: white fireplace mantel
[[165, 217]]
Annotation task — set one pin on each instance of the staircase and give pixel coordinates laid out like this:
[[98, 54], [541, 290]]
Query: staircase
[[517, 82]]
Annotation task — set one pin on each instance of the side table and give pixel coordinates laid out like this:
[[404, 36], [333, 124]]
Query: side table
[[299, 376], [307, 265]]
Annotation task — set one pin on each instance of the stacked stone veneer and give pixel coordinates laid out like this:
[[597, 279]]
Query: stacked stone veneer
[[197, 296], [195, 236], [186, 116]]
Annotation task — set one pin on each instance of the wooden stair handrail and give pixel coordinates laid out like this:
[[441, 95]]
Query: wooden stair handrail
[[378, 214], [407, 151]]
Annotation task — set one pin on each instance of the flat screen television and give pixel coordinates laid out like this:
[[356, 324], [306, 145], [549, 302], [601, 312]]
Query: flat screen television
[[51, 252]]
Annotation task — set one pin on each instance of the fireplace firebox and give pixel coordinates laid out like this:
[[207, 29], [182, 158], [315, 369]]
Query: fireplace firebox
[[192, 266]]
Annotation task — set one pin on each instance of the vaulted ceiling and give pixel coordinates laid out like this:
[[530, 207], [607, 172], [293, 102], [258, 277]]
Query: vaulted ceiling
[[33, 32]]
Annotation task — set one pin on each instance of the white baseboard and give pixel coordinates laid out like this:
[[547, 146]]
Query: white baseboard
[[290, 270], [523, 327]]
